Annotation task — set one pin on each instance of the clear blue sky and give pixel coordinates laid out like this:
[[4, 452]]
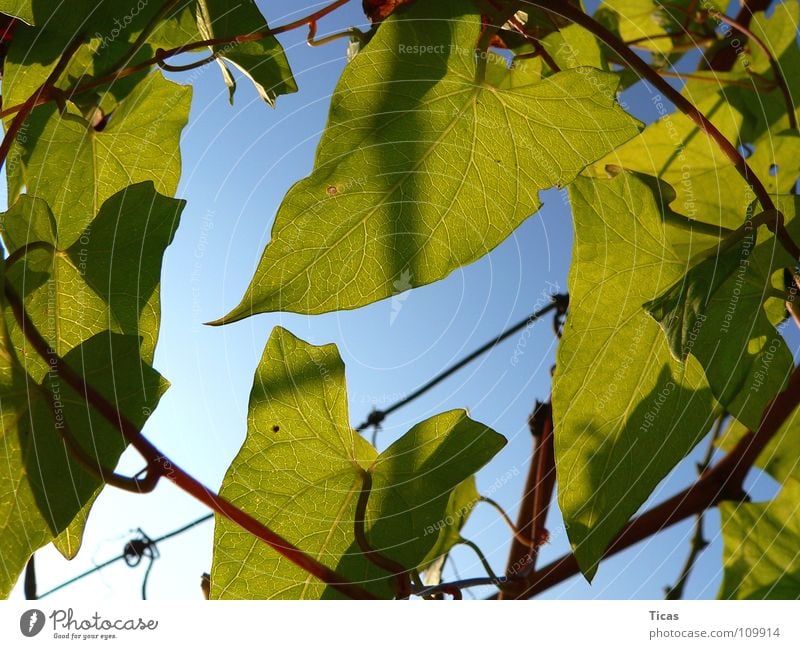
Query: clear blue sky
[[237, 164]]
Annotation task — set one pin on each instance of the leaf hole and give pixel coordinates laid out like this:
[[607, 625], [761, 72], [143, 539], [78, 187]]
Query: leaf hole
[[773, 170]]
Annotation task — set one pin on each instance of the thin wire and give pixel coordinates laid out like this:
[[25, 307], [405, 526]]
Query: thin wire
[[125, 555], [377, 416]]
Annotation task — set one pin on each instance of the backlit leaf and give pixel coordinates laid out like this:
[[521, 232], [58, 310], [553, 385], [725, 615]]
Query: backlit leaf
[[422, 170], [625, 410], [761, 552], [300, 472]]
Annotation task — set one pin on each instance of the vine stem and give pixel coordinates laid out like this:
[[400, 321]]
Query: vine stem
[[123, 71], [545, 483], [722, 482], [164, 467], [637, 64], [518, 554]]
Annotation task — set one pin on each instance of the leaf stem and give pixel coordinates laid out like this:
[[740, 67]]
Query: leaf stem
[[493, 25], [185, 67], [545, 482], [538, 48], [518, 536], [161, 464], [400, 576], [486, 565], [313, 41], [461, 584], [536, 500], [762, 86]]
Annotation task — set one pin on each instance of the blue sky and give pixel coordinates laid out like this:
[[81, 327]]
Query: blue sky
[[237, 164]]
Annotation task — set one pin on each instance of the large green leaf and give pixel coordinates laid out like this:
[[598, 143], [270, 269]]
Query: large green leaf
[[717, 313], [625, 410], [44, 489], [75, 168], [108, 279], [421, 169], [300, 472], [761, 551]]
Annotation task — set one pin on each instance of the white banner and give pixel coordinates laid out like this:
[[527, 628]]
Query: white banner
[[385, 625]]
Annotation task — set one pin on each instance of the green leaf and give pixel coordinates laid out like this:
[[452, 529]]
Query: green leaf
[[407, 179], [761, 550], [76, 168], [625, 410], [44, 488], [300, 472], [717, 313], [108, 279], [262, 61], [413, 480]]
